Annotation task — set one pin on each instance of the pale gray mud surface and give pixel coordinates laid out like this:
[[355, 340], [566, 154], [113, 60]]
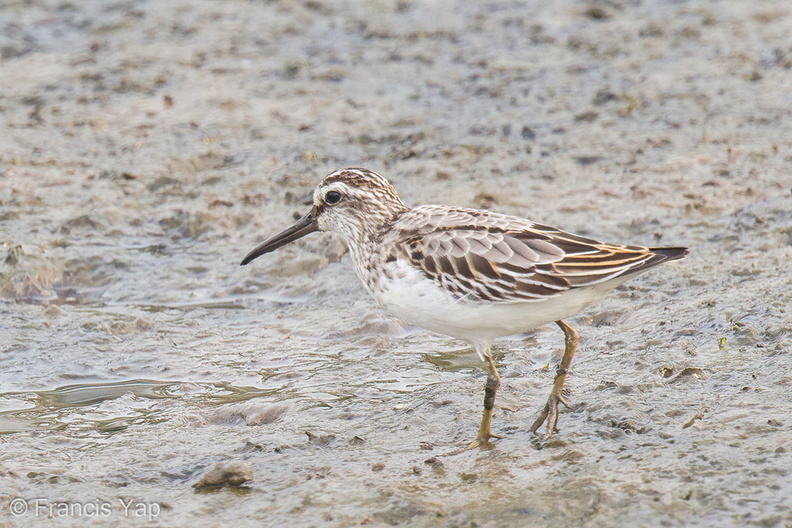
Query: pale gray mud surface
[[146, 146]]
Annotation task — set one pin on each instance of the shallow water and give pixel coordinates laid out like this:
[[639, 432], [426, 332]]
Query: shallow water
[[147, 146]]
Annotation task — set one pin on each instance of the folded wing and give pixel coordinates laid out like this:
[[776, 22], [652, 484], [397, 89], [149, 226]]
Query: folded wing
[[489, 258]]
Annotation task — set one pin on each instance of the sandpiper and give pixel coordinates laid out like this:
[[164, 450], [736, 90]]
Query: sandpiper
[[470, 274]]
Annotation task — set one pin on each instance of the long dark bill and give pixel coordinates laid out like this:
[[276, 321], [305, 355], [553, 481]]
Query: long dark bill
[[305, 225]]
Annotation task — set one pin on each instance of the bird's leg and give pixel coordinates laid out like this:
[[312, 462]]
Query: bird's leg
[[550, 411], [493, 382], [490, 389]]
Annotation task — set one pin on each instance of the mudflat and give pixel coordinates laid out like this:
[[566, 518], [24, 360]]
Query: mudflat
[[147, 146]]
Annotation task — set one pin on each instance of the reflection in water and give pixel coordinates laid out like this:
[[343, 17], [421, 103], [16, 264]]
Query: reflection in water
[[79, 395], [113, 406], [454, 360]]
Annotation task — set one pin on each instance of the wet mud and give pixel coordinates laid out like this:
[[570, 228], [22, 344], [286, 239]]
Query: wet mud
[[147, 146]]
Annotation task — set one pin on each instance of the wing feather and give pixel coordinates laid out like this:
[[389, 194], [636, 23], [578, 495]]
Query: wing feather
[[492, 257], [500, 252]]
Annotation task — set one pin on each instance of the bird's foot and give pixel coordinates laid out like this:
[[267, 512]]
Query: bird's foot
[[550, 414]]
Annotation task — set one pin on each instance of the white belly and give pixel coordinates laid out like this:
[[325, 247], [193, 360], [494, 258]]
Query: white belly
[[417, 300]]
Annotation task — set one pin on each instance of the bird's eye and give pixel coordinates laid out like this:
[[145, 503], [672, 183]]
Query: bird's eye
[[332, 197]]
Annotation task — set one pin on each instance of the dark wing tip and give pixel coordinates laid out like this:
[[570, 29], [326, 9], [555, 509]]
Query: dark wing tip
[[670, 253]]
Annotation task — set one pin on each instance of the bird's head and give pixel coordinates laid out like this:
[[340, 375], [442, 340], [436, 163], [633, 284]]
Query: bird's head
[[355, 203]]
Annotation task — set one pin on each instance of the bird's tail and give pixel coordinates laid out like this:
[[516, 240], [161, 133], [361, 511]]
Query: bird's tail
[[670, 253]]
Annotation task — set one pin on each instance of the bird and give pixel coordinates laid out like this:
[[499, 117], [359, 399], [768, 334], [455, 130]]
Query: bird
[[470, 274]]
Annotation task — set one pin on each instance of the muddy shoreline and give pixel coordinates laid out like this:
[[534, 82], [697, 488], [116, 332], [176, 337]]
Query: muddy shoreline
[[147, 146]]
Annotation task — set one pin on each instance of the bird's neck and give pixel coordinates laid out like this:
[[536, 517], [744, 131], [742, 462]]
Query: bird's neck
[[366, 241]]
